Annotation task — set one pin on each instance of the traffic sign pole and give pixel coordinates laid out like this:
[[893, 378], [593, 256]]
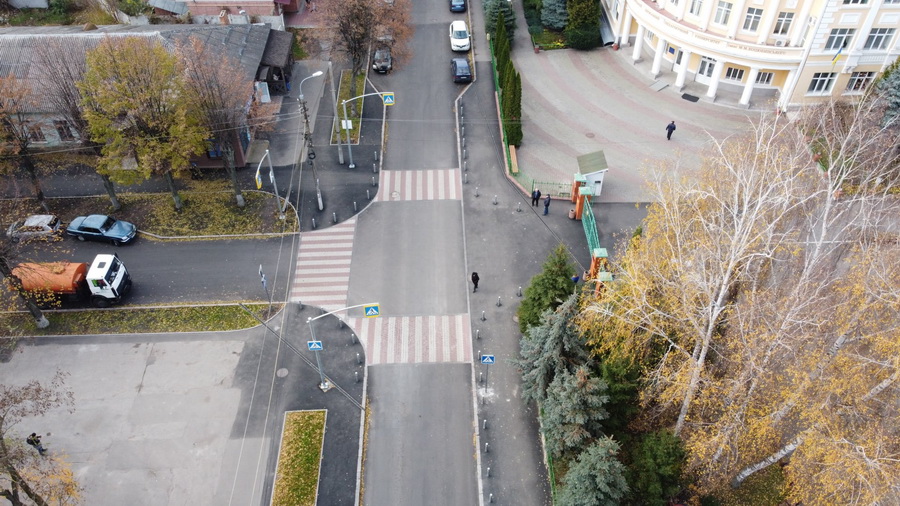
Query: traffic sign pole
[[324, 383]]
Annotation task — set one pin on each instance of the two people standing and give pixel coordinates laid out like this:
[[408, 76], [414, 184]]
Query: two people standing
[[535, 197]]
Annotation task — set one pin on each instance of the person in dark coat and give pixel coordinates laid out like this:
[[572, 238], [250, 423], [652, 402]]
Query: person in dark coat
[[35, 441], [669, 129], [546, 205], [535, 197], [475, 279]]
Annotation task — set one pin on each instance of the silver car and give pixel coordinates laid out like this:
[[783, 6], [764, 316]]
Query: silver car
[[34, 226]]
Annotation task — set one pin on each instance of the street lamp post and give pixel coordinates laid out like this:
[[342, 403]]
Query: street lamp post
[[347, 125], [272, 179], [307, 138]]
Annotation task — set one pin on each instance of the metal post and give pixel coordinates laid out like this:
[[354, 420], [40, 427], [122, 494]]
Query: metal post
[[324, 384], [272, 178], [334, 105], [349, 149], [262, 279]]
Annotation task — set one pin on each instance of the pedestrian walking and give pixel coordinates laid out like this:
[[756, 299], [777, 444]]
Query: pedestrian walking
[[475, 279], [35, 441], [546, 205], [669, 129], [535, 197]]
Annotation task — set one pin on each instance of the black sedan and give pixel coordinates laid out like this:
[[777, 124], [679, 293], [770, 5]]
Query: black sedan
[[99, 227], [457, 5], [461, 71]]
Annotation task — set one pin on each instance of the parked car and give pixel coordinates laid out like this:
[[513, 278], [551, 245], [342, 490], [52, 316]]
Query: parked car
[[33, 227], [382, 61], [459, 36], [457, 5], [462, 72], [99, 227]]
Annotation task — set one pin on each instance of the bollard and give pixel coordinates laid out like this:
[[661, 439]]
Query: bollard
[[460, 110], [300, 305], [466, 178], [519, 207], [488, 472], [354, 206], [376, 155], [357, 375], [367, 195], [519, 292], [353, 340], [463, 142], [465, 165], [494, 200], [482, 400], [334, 217], [482, 316], [491, 498], [358, 359], [476, 191], [373, 180], [487, 448], [465, 155], [498, 301], [314, 223], [478, 334], [481, 377], [374, 168], [462, 131], [484, 425]]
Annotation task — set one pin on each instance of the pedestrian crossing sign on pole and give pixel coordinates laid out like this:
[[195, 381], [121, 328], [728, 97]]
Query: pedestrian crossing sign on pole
[[487, 359], [314, 345], [372, 311], [388, 98]]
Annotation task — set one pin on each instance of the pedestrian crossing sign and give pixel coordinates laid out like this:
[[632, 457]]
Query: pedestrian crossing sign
[[314, 345], [372, 311], [487, 359], [388, 98]]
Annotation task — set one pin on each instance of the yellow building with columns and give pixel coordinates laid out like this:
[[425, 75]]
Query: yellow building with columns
[[789, 52]]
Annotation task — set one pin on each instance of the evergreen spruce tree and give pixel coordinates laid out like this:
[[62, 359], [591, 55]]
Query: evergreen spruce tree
[[583, 30], [655, 470], [547, 289], [888, 88], [501, 51], [554, 14], [572, 411], [501, 8], [596, 478], [550, 348]]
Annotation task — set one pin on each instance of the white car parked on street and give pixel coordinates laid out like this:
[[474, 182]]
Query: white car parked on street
[[459, 36]]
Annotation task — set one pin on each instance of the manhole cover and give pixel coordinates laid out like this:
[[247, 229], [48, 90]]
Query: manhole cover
[[590, 135], [281, 372]]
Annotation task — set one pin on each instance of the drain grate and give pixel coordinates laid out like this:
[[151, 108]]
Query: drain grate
[[690, 98]]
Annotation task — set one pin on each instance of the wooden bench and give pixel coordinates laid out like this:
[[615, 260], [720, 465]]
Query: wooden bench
[[513, 163]]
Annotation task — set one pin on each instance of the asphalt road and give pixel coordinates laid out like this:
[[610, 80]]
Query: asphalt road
[[193, 271]]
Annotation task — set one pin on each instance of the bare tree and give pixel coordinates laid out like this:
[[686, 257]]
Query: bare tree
[[37, 478], [59, 66], [221, 90], [355, 25], [17, 106]]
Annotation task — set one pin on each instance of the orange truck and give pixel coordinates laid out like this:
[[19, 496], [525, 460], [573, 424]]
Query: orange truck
[[105, 281]]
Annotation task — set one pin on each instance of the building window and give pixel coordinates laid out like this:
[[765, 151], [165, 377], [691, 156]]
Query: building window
[[821, 83], [733, 74], [879, 38], [839, 38], [751, 22], [892, 1], [62, 128], [764, 78], [723, 10], [648, 36], [783, 24], [856, 2], [674, 2], [36, 134], [859, 81], [616, 9], [696, 5]]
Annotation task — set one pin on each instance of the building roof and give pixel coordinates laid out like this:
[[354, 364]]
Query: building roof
[[278, 50], [246, 43], [172, 6]]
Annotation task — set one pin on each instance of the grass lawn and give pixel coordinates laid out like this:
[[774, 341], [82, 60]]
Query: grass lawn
[[297, 476], [138, 320], [344, 94]]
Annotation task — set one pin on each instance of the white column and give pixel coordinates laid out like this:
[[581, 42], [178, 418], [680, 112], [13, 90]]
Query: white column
[[706, 13], [716, 77], [801, 24], [682, 71], [737, 18], [748, 86], [787, 90], [638, 44], [768, 22], [625, 25], [657, 58]]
